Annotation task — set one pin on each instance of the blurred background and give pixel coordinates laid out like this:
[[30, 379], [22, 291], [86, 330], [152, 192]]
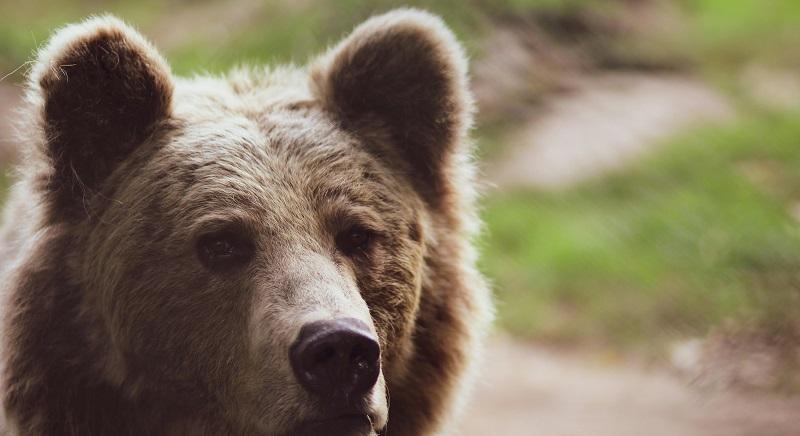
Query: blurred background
[[642, 203]]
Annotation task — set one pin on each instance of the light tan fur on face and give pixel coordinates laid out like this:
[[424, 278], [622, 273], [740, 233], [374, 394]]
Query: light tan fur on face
[[111, 323]]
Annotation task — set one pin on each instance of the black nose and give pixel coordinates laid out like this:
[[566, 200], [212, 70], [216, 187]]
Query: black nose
[[339, 358]]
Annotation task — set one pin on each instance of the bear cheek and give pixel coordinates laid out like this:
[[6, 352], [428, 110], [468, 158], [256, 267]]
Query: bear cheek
[[391, 289], [161, 319]]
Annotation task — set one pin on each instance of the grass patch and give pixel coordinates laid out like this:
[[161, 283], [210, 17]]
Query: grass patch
[[712, 32], [25, 26], [277, 32], [729, 33], [283, 32], [5, 185], [699, 233]]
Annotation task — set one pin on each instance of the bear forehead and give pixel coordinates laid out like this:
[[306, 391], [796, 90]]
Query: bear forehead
[[265, 161]]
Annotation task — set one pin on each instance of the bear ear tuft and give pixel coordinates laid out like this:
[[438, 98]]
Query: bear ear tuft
[[405, 74], [103, 89]]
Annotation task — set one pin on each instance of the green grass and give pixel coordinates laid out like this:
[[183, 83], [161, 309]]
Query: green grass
[[288, 33], [729, 33], [278, 31], [5, 183], [26, 25], [695, 235], [716, 33]]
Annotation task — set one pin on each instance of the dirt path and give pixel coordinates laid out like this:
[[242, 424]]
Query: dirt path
[[532, 391], [606, 122]]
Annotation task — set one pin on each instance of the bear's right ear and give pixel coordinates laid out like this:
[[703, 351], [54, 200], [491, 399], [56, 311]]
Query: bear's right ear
[[102, 89]]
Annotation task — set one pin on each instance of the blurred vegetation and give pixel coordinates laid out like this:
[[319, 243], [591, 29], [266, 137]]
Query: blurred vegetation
[[4, 185], [699, 233], [717, 33], [275, 31], [727, 33], [24, 26]]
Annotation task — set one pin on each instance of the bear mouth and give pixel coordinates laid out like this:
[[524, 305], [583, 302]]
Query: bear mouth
[[343, 425]]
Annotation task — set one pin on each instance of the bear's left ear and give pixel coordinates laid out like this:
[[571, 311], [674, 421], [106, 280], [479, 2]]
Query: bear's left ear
[[101, 89], [402, 73]]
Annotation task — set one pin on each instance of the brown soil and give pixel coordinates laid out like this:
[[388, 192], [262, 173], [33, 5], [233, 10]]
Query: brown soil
[[527, 390], [606, 122]]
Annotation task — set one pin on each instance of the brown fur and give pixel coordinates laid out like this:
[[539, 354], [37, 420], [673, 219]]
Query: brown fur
[[113, 326]]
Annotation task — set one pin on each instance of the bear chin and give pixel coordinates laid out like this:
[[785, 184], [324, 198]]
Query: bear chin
[[345, 425]]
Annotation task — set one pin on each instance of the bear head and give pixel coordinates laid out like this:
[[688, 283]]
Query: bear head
[[245, 253]]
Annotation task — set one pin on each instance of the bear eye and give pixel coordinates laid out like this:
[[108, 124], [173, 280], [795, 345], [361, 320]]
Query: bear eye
[[353, 240], [223, 250]]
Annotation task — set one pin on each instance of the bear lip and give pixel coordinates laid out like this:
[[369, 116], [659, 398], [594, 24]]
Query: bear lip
[[351, 424]]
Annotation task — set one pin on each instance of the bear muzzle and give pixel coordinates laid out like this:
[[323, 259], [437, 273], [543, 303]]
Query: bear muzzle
[[337, 360]]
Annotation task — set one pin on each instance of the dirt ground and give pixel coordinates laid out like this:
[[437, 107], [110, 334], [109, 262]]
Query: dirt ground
[[607, 121], [527, 390]]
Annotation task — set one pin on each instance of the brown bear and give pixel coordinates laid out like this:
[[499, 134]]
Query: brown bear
[[279, 251]]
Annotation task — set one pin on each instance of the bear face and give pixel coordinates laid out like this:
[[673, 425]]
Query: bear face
[[267, 253], [286, 194]]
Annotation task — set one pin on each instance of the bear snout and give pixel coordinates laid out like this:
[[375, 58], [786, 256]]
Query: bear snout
[[336, 359]]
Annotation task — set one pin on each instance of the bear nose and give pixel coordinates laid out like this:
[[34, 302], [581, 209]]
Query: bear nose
[[336, 359]]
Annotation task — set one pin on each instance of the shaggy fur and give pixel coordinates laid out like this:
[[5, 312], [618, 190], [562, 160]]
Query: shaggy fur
[[112, 324]]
